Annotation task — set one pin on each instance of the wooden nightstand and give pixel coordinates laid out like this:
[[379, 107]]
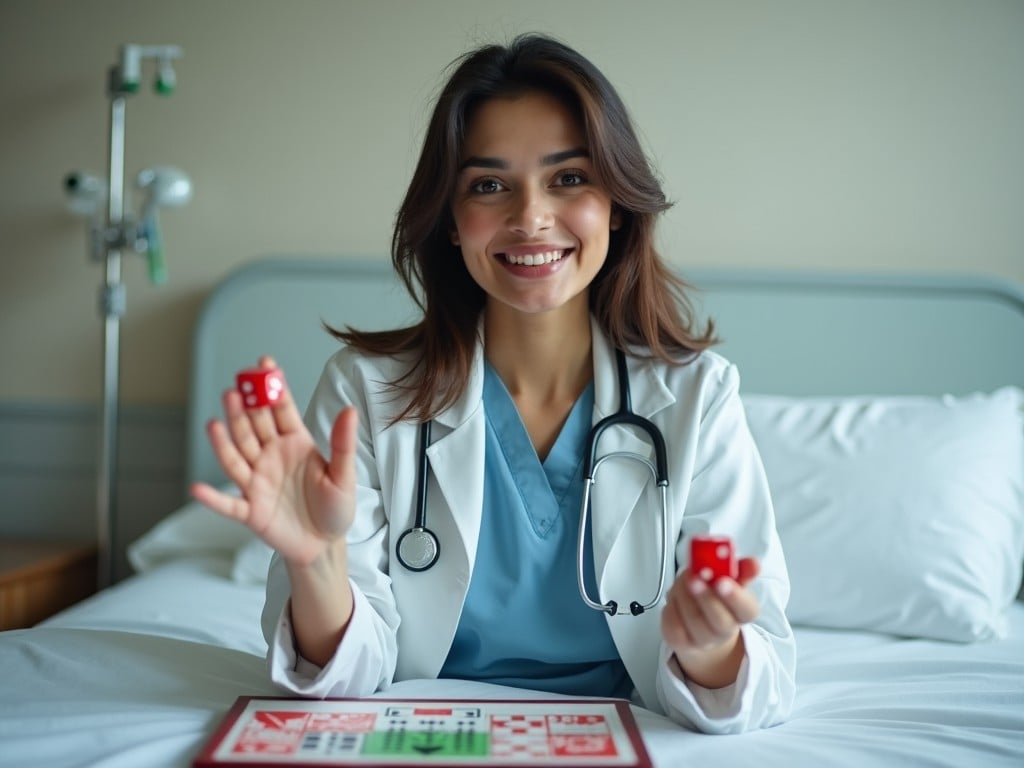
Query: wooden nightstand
[[39, 578]]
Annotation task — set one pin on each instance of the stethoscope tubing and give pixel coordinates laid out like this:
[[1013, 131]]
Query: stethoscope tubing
[[625, 417], [418, 548], [611, 607]]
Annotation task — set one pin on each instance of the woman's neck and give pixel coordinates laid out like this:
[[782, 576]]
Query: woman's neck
[[541, 358], [545, 362]]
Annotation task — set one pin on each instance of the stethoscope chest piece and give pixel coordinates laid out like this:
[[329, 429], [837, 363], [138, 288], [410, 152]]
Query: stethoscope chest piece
[[418, 549]]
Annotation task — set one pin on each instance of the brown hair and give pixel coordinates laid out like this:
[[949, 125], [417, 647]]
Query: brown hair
[[636, 299]]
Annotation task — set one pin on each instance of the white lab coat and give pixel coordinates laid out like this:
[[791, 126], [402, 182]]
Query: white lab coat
[[404, 621]]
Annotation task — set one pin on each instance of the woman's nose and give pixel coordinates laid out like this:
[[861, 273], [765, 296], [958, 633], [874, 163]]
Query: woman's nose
[[531, 212]]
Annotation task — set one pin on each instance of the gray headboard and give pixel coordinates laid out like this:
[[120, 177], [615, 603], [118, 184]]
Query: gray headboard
[[792, 333]]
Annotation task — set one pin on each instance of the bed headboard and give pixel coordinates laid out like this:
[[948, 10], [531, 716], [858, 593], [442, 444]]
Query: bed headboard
[[794, 333]]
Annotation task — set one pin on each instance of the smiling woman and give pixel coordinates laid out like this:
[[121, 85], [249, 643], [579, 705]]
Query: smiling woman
[[527, 239]]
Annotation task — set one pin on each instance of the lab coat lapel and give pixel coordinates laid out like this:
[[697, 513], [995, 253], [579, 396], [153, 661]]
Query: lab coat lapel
[[432, 600], [456, 463], [619, 543]]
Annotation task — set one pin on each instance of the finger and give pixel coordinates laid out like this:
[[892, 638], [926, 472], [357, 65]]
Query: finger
[[263, 424], [235, 466], [716, 620], [739, 601], [673, 623], [284, 410], [341, 467], [239, 427], [225, 504], [280, 416]]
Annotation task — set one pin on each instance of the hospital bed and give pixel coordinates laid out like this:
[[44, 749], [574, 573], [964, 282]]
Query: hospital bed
[[888, 411]]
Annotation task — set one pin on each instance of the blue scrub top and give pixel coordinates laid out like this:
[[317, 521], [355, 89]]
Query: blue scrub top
[[524, 623]]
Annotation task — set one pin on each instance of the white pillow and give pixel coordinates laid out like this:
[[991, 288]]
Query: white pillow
[[192, 529], [902, 515]]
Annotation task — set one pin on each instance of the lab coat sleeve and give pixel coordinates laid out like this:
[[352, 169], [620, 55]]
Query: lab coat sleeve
[[365, 659], [355, 669], [729, 495]]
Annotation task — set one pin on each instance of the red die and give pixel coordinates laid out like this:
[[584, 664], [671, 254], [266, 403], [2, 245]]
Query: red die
[[712, 557], [260, 387]]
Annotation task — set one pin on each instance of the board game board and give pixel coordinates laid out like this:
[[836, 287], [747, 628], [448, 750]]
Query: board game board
[[583, 733]]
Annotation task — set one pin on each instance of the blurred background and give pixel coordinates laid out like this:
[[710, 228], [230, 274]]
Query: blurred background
[[879, 135]]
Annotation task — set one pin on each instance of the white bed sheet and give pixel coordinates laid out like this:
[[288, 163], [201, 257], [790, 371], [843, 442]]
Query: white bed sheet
[[141, 674]]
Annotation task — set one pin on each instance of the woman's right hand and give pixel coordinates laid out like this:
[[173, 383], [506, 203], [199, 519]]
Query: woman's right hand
[[294, 500]]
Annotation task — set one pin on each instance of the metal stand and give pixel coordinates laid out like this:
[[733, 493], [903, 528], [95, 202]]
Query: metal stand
[[121, 234], [112, 306]]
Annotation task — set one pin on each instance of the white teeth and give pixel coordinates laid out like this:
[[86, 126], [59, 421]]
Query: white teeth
[[534, 259]]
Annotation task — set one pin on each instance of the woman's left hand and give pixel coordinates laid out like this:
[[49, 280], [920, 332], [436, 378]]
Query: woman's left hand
[[701, 624]]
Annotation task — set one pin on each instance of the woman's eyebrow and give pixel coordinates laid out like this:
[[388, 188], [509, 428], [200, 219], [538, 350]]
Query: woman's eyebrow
[[566, 154], [476, 161]]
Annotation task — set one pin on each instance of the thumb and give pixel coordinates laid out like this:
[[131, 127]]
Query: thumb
[[343, 445], [748, 568]]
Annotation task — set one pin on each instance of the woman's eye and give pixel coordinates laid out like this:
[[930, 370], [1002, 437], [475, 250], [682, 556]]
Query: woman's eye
[[485, 186], [570, 179]]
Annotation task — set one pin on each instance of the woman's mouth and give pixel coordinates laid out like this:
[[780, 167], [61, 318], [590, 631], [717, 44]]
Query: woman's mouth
[[535, 259]]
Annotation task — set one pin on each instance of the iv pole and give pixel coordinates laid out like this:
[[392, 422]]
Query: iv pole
[[112, 305], [120, 234]]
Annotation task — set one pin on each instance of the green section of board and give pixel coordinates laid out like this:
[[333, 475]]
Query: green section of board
[[427, 743]]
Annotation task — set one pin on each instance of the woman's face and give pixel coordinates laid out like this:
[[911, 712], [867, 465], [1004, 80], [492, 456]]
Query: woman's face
[[531, 216]]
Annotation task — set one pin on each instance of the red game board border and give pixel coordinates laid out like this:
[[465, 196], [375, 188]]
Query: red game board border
[[205, 758]]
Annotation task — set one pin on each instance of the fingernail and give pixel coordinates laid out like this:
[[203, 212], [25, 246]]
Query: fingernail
[[724, 587], [698, 587]]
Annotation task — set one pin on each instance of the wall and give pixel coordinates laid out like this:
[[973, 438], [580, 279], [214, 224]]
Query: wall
[[828, 134]]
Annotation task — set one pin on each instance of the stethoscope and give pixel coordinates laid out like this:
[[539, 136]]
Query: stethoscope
[[418, 548]]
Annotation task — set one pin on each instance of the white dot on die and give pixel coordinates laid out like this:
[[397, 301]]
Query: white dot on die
[[273, 394], [250, 400], [274, 383], [706, 573], [247, 386], [722, 551]]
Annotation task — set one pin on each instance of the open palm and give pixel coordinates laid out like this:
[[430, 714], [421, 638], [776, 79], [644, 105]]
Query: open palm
[[297, 502]]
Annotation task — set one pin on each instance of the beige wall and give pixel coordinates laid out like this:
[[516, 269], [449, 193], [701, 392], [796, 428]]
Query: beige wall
[[831, 134]]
